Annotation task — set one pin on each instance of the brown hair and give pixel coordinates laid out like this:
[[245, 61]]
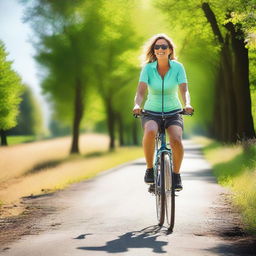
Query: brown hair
[[148, 48]]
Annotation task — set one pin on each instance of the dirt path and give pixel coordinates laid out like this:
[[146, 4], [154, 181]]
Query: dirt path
[[114, 214], [15, 160]]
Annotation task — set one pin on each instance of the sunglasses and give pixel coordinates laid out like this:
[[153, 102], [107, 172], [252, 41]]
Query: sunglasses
[[163, 46]]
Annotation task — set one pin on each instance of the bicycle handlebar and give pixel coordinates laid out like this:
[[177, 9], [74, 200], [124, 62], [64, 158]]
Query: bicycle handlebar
[[145, 112]]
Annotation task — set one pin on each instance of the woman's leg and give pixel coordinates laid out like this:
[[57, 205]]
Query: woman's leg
[[150, 131], [175, 138]]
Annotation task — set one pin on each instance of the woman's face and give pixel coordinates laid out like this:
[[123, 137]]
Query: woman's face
[[162, 52]]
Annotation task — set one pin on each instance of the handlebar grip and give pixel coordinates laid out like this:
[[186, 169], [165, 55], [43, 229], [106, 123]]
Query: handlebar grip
[[186, 114]]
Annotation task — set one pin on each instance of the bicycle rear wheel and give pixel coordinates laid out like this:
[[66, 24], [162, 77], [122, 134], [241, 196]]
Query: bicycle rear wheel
[[169, 192], [160, 191]]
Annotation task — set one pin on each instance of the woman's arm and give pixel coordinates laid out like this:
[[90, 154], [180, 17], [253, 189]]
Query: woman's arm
[[186, 97], [141, 90]]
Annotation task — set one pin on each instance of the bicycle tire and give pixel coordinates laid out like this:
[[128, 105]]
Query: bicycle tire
[[169, 192], [160, 191]]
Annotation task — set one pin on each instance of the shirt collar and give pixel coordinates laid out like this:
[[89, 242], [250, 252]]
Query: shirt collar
[[154, 63]]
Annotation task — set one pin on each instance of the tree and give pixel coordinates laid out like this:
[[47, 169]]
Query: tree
[[229, 24], [30, 120], [10, 94], [113, 70], [68, 39], [236, 59]]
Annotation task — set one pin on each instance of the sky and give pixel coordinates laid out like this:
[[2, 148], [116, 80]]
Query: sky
[[15, 34]]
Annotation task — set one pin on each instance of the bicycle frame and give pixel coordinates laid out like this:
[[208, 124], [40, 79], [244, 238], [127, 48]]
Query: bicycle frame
[[160, 138]]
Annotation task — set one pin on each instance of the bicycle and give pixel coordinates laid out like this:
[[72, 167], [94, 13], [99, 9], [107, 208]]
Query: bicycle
[[163, 186]]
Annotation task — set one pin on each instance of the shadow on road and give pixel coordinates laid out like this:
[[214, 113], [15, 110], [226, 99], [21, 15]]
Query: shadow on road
[[244, 247], [54, 163], [44, 165], [139, 163], [146, 238], [82, 236], [201, 174]]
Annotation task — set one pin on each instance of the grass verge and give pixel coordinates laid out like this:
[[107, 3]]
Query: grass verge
[[235, 167], [71, 170], [13, 140]]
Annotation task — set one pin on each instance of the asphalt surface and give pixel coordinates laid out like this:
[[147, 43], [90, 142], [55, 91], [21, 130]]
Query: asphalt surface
[[114, 214]]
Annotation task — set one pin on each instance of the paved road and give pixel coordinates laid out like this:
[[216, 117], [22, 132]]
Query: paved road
[[114, 214]]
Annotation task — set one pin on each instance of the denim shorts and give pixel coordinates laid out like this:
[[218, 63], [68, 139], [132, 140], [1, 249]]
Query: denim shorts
[[176, 119]]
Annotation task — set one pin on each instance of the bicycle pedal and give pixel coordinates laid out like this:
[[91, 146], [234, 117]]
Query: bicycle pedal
[[151, 188]]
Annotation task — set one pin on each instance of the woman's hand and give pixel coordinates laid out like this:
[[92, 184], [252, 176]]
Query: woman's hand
[[136, 110], [189, 109]]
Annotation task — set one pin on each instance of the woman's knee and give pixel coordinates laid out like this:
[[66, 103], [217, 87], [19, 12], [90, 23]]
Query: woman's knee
[[175, 135], [150, 133], [150, 129], [176, 140]]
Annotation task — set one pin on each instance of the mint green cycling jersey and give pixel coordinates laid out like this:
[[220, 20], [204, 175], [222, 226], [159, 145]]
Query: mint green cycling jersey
[[176, 75]]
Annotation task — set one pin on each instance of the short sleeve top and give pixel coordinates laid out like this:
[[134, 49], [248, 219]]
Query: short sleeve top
[[176, 75]]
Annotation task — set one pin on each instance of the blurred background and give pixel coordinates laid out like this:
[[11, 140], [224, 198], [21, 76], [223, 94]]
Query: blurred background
[[69, 72], [73, 66]]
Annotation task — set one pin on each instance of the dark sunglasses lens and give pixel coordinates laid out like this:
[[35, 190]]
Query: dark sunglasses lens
[[158, 46]]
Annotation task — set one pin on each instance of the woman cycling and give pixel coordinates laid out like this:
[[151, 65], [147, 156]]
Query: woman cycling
[[162, 71]]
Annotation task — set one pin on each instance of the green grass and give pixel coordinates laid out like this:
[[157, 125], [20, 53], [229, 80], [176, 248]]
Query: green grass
[[235, 167], [227, 171], [12, 140]]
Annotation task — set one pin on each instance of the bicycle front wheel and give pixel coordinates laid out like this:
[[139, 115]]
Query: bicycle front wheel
[[160, 191], [169, 192]]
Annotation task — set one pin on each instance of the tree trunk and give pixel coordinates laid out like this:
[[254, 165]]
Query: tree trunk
[[120, 129], [78, 114], [3, 138], [228, 94], [217, 110], [111, 124], [210, 16], [245, 128], [225, 109], [220, 113]]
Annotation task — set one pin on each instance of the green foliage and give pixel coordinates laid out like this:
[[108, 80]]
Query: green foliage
[[95, 118], [68, 43], [58, 128], [253, 96], [201, 72], [10, 92], [201, 52], [116, 69], [197, 51], [252, 68], [241, 13], [186, 16], [252, 77], [30, 118], [235, 11]]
